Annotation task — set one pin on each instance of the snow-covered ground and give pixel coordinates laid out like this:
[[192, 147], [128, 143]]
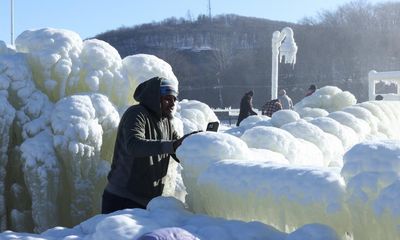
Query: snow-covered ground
[[329, 170]]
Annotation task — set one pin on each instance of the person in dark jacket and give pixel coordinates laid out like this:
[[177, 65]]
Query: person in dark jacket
[[311, 90], [379, 97], [246, 107], [145, 140]]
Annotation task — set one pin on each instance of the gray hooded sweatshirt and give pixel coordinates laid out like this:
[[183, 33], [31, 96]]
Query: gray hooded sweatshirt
[[142, 148]]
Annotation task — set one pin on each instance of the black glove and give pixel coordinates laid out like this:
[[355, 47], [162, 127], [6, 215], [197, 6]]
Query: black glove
[[179, 141], [175, 158]]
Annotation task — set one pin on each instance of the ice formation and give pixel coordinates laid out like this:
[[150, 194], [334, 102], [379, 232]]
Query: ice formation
[[62, 96], [324, 100], [169, 212], [351, 193], [195, 115]]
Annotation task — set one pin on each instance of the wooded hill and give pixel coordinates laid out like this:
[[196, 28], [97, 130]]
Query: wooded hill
[[217, 60]]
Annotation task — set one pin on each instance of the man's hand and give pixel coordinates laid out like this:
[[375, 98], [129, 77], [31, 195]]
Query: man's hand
[[179, 141]]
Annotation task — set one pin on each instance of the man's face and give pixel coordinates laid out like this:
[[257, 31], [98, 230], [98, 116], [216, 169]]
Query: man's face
[[167, 105]]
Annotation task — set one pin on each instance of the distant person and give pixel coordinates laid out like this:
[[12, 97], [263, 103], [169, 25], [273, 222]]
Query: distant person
[[285, 100], [311, 90], [146, 139], [270, 107], [379, 97], [246, 107]]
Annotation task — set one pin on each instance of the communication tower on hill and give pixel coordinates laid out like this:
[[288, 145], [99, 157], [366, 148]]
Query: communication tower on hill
[[12, 22], [209, 9]]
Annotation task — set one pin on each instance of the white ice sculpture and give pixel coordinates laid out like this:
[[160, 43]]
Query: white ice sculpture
[[214, 146], [278, 140], [360, 196], [66, 94], [330, 146], [141, 67], [63, 65], [287, 49], [284, 116], [54, 57], [101, 71], [371, 171], [77, 140], [360, 126], [195, 115], [17, 83], [7, 114], [261, 184], [303, 194], [347, 135], [42, 172], [323, 101], [383, 116]]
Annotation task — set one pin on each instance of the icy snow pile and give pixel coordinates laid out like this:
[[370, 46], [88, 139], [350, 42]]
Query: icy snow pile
[[168, 212], [323, 101], [141, 67], [225, 182], [295, 150], [58, 94], [242, 188], [62, 65], [8, 113], [372, 171], [195, 115], [60, 103]]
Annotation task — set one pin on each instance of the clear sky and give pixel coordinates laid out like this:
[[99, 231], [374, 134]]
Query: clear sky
[[90, 17]]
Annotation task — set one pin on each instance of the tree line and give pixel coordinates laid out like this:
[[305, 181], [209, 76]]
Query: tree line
[[217, 60]]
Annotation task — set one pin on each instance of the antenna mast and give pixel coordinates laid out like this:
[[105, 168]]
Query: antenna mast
[[209, 9], [12, 22]]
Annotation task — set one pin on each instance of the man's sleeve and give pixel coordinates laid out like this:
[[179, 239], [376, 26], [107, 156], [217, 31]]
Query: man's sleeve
[[134, 128], [175, 134]]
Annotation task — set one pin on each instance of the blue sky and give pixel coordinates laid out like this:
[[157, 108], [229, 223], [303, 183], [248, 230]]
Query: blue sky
[[90, 17]]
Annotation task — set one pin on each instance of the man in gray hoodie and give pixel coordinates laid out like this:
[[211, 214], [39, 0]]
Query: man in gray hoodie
[[145, 141]]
